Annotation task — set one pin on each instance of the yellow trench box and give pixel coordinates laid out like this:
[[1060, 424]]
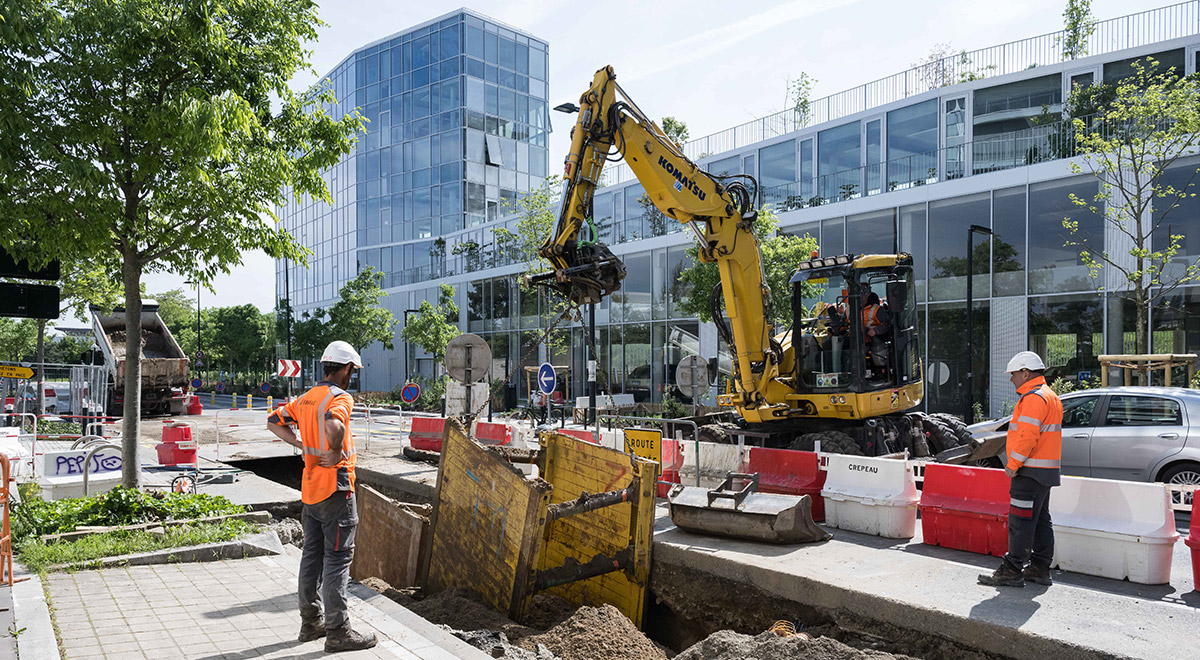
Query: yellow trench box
[[583, 531]]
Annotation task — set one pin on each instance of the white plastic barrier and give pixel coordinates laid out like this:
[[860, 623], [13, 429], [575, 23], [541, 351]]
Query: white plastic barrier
[[62, 473], [1114, 529], [875, 496]]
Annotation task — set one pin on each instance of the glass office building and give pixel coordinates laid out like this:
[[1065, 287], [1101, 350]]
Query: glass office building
[[458, 128]]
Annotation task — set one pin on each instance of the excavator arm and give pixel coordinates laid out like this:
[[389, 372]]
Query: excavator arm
[[719, 210]]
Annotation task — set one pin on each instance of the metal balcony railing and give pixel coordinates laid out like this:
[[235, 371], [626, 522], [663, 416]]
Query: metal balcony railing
[[1112, 35]]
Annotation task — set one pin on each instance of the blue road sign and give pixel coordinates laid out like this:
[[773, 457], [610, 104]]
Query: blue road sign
[[546, 378], [410, 392], [220, 386], [196, 382], [265, 387]]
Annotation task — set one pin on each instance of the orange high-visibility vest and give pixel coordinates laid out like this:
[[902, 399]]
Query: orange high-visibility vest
[[309, 412], [1035, 433], [870, 317]]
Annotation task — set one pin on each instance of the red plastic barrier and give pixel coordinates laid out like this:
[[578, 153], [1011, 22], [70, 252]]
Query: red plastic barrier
[[177, 447], [1193, 541], [965, 508], [586, 436], [672, 461], [789, 472], [491, 433], [426, 433], [194, 407]]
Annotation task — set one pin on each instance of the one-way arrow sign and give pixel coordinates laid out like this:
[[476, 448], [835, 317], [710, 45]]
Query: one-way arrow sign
[[289, 368], [546, 378]]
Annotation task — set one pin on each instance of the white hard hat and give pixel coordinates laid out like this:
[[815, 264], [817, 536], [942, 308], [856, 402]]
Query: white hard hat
[[1025, 360], [340, 352]]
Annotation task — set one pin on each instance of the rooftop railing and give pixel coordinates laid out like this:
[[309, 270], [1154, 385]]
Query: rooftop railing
[[1131, 31]]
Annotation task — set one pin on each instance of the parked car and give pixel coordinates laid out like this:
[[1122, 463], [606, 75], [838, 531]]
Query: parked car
[[1129, 433]]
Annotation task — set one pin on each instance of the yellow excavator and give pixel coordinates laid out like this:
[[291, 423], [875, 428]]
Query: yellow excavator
[[846, 374]]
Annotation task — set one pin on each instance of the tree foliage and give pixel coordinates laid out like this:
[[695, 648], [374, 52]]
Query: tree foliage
[[1078, 25], [799, 92], [780, 254], [675, 130], [1153, 121], [431, 328], [18, 338], [311, 333], [151, 135], [357, 316]]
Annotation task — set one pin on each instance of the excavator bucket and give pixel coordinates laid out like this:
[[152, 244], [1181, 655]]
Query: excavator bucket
[[977, 450], [745, 513]]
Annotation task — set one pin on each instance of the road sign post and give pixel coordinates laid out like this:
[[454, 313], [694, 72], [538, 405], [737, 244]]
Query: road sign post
[[691, 377], [546, 382]]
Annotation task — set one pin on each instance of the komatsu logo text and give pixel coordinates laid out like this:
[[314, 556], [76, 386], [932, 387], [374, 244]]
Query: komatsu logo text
[[681, 181]]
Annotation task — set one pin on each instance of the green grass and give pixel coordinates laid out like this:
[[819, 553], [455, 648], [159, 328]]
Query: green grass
[[40, 557]]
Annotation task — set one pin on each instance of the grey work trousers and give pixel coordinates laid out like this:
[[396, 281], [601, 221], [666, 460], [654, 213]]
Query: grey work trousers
[[329, 528], [1030, 531]]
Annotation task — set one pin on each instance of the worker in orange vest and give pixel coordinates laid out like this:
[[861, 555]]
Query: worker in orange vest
[[1034, 456], [330, 513], [877, 331]]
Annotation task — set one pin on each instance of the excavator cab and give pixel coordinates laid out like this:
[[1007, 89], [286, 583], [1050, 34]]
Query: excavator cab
[[855, 324]]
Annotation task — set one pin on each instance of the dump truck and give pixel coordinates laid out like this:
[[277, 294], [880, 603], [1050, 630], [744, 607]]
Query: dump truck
[[165, 367]]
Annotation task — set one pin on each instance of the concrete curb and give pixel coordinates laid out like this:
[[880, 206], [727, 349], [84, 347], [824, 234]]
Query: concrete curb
[[31, 612], [254, 545]]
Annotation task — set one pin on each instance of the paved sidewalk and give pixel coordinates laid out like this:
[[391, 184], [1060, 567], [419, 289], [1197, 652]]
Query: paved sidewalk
[[229, 609]]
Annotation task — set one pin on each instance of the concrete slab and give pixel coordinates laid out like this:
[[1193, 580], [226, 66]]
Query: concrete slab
[[933, 590], [32, 617]]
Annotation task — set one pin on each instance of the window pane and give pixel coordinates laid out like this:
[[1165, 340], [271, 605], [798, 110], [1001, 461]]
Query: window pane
[[1178, 214], [1115, 72], [731, 165], [1077, 411], [912, 241], [777, 165], [949, 221], [1053, 265], [946, 377], [1067, 331], [1008, 250], [839, 157], [1142, 411], [807, 171], [871, 233], [677, 262], [833, 234], [874, 156], [912, 143]]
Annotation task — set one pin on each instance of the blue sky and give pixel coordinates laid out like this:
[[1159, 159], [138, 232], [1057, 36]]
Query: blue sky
[[711, 64]]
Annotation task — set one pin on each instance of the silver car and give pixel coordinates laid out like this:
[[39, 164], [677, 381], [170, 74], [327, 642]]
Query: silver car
[[1129, 433]]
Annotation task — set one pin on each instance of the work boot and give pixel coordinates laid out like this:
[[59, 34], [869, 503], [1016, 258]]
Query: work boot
[[346, 639], [1005, 576], [311, 629], [1037, 574]]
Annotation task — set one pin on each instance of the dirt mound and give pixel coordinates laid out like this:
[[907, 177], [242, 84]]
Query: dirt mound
[[460, 609], [496, 644], [596, 633], [548, 610], [289, 530], [729, 645]]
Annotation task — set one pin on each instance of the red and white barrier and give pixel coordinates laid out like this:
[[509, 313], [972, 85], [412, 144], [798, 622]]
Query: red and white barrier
[[789, 472], [965, 508], [875, 496], [492, 433], [1193, 542], [426, 433], [1113, 529]]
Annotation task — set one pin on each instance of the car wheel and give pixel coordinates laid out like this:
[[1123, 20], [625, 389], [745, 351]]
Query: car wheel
[[1184, 474]]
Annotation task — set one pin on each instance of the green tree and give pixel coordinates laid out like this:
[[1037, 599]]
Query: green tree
[[675, 130], [163, 134], [67, 349], [799, 92], [358, 317], [1153, 121], [178, 311], [241, 339], [18, 339], [780, 254], [1078, 25], [311, 334], [432, 328]]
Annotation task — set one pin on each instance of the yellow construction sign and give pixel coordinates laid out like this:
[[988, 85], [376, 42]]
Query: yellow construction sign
[[15, 372], [646, 443]]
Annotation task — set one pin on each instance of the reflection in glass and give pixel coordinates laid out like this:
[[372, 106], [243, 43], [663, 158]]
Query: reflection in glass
[[946, 374], [949, 221], [1008, 252], [912, 241], [839, 156], [871, 233], [912, 144], [1053, 264], [1067, 331]]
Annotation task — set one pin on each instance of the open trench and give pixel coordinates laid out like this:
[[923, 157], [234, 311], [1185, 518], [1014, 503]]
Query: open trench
[[685, 608]]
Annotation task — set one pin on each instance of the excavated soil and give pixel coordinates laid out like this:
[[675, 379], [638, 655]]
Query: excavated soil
[[729, 645], [496, 644], [596, 633]]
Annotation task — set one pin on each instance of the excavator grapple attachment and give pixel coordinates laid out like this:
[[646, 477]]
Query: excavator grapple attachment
[[592, 272], [745, 513]]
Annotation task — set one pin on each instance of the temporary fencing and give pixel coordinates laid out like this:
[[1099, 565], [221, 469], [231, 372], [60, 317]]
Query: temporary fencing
[[1113, 529], [426, 433], [242, 445], [965, 508], [789, 472], [875, 496]]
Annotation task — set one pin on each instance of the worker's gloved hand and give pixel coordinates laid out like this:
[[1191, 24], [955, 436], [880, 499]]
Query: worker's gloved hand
[[1010, 472], [332, 458]]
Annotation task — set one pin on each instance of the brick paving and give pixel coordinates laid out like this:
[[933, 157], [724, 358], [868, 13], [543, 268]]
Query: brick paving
[[229, 609]]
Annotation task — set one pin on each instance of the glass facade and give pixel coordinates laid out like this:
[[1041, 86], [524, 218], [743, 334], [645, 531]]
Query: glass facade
[[457, 127]]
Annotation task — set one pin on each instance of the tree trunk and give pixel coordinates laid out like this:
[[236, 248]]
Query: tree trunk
[[1140, 333], [131, 428], [41, 358]]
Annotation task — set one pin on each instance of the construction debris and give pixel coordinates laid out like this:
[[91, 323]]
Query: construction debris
[[496, 644], [596, 633], [729, 645]]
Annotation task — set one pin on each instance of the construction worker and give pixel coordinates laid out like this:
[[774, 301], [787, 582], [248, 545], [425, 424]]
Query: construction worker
[[330, 513], [877, 331], [1034, 453]]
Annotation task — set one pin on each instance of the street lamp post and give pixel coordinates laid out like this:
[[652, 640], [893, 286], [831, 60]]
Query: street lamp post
[[197, 284], [969, 413], [406, 346]]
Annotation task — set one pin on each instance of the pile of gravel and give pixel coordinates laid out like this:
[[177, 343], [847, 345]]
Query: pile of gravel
[[729, 645], [496, 644], [596, 633]]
